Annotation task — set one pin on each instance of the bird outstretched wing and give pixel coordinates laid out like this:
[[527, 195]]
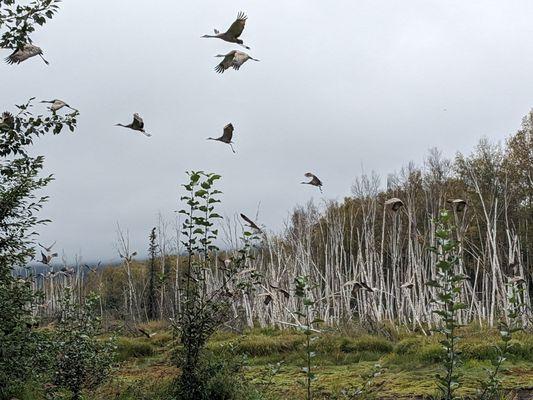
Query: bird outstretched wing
[[235, 30], [22, 54], [314, 179], [138, 122], [228, 133], [250, 222], [226, 63]]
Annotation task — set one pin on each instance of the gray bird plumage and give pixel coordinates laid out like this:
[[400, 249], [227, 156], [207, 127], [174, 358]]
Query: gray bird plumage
[[314, 181], [234, 32], [226, 137], [27, 51], [137, 125]]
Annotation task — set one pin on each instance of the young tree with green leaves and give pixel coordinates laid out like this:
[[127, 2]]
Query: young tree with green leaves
[[204, 307], [152, 251], [448, 285], [20, 181], [302, 291]]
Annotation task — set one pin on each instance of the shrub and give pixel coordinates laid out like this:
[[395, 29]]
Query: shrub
[[409, 346], [80, 359], [366, 343], [267, 345], [133, 348], [432, 353]]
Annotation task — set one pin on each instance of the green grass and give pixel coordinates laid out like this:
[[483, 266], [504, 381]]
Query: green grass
[[410, 363]]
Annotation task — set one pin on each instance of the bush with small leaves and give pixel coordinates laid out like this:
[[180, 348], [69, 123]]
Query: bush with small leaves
[[81, 360], [19, 206]]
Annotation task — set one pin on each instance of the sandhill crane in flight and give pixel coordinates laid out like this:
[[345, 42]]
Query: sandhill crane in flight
[[234, 31], [517, 280], [234, 59], [277, 287], [314, 181], [457, 204], [57, 105], [357, 285], [136, 125], [7, 121], [251, 223], [45, 259], [408, 285], [27, 51], [395, 202], [226, 137], [145, 333]]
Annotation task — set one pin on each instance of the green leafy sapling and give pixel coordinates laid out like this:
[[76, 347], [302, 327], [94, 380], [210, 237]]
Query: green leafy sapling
[[448, 285], [204, 307], [306, 310]]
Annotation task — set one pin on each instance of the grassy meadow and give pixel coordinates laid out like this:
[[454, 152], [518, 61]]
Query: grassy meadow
[[344, 360]]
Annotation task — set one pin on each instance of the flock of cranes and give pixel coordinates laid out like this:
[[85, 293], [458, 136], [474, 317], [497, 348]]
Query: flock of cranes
[[233, 59]]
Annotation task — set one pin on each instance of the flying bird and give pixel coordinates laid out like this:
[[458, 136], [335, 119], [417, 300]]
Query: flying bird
[[7, 120], [57, 105], [360, 285], [45, 259], [267, 300], [251, 223], [234, 59], [27, 51], [395, 202], [226, 136], [517, 280], [408, 285], [234, 31], [145, 333], [314, 181], [136, 125], [284, 292], [48, 248], [458, 204]]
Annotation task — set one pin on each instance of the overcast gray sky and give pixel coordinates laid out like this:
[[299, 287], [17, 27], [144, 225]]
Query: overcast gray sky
[[341, 86]]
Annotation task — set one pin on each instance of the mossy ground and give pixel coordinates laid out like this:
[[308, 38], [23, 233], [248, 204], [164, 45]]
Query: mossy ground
[[410, 363]]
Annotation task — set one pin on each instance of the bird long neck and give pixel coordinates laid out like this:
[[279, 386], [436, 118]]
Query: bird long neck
[[210, 36]]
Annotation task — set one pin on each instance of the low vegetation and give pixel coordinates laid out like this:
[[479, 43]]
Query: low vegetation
[[343, 361]]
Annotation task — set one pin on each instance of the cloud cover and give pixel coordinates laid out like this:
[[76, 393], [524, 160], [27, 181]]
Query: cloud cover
[[341, 86]]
